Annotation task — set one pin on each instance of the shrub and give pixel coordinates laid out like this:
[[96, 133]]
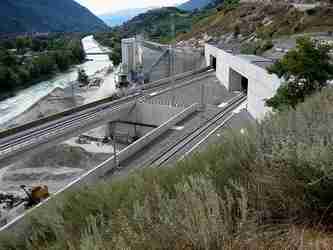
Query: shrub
[[269, 188], [256, 48], [305, 70]]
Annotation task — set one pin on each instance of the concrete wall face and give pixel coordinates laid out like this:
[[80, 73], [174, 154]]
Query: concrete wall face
[[235, 80], [261, 84], [152, 114], [131, 54]]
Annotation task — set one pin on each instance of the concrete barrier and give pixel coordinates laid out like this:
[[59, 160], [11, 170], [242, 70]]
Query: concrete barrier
[[152, 114], [21, 223], [144, 141]]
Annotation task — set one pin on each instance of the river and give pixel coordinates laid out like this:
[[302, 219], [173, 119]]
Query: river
[[24, 99]]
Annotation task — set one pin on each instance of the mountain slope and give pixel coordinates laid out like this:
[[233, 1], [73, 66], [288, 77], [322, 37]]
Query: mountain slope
[[156, 24], [194, 4], [119, 17], [46, 16]]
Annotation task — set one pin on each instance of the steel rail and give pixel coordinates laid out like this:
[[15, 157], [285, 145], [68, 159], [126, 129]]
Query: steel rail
[[29, 137], [177, 147], [38, 131], [6, 135]]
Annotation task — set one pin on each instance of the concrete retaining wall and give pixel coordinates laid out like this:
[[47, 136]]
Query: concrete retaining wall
[[261, 84], [20, 224], [144, 141], [152, 114]]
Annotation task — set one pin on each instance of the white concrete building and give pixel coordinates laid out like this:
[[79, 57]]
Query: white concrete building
[[131, 54], [246, 73]]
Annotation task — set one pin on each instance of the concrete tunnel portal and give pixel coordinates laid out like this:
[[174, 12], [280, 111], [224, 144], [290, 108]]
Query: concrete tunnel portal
[[213, 62], [238, 82]]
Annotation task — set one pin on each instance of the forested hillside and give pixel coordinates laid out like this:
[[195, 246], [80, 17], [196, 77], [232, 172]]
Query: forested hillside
[[46, 16], [156, 24], [25, 60], [119, 17]]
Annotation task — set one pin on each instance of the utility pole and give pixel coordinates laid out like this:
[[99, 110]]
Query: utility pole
[[173, 61], [202, 96], [115, 151], [73, 92]]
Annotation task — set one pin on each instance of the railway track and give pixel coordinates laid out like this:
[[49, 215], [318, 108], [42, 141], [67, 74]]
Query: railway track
[[18, 139], [196, 138]]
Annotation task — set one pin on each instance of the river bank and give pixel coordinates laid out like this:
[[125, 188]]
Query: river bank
[[63, 163], [57, 101], [61, 99], [14, 106], [66, 161]]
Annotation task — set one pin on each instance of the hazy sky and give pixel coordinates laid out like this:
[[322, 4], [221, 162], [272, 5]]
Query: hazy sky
[[103, 6]]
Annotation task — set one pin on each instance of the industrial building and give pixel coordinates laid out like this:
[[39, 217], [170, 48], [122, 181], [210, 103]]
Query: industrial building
[[247, 73], [131, 56]]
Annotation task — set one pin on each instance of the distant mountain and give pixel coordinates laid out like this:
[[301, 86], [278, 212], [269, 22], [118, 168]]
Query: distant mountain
[[156, 24], [122, 16], [47, 16], [194, 4]]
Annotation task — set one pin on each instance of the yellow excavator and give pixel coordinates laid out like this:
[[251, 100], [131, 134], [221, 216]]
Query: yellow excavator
[[35, 195]]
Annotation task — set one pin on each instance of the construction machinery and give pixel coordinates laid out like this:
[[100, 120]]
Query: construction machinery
[[35, 195]]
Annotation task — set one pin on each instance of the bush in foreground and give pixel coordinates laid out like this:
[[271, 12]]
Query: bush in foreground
[[268, 189]]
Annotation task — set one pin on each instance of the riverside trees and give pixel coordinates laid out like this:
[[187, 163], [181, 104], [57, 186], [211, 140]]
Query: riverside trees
[[112, 40], [25, 60]]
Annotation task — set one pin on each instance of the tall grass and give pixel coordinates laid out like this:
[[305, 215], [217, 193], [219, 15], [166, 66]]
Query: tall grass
[[271, 188]]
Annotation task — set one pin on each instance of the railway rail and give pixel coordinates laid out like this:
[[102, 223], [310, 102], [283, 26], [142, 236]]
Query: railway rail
[[34, 133], [201, 134]]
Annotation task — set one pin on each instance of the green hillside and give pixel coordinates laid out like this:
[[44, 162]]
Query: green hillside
[[156, 24], [46, 16]]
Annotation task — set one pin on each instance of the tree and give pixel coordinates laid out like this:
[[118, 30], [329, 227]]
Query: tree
[[62, 60], [23, 43], [7, 58], [115, 57], [8, 44], [5, 83], [306, 69], [77, 51], [46, 64]]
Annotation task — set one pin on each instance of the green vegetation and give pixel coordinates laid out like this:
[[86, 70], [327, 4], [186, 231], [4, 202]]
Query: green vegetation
[[111, 40], [230, 4], [256, 48], [26, 60], [267, 21], [47, 16], [270, 188], [307, 69], [156, 24]]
